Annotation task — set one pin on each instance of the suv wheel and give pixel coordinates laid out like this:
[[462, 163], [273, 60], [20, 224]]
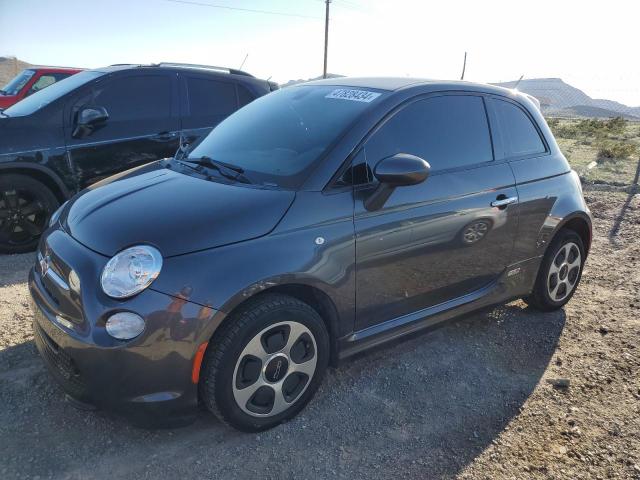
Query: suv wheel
[[559, 273], [266, 363], [25, 208]]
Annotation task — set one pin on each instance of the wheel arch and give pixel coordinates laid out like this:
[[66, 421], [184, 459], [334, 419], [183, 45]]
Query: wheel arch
[[315, 297], [580, 223], [38, 172]]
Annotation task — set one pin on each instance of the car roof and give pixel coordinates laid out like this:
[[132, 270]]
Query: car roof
[[393, 84], [54, 69], [175, 66]]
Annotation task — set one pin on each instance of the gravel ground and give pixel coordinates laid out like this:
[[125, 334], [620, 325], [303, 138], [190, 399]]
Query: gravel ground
[[509, 393]]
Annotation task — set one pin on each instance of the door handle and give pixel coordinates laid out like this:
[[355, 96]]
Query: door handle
[[504, 201], [163, 136]]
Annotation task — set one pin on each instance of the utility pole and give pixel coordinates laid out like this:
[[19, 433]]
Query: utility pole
[[326, 36], [464, 65]]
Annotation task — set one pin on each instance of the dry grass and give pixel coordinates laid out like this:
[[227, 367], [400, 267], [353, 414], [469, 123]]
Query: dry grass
[[601, 151]]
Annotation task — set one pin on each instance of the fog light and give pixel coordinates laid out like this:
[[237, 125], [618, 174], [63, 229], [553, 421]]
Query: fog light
[[125, 325]]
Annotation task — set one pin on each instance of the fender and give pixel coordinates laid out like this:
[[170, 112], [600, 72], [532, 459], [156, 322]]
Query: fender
[[585, 216], [565, 209], [53, 177]]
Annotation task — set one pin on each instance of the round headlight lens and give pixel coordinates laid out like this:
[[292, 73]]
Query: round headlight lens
[[131, 271], [125, 325]]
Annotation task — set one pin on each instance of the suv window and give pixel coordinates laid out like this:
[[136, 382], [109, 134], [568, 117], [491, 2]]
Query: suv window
[[520, 136], [448, 132], [134, 98], [244, 96], [210, 101]]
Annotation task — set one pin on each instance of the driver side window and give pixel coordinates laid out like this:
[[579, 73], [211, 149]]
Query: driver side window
[[449, 131]]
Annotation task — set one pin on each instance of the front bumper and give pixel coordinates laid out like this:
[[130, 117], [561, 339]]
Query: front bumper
[[148, 379]]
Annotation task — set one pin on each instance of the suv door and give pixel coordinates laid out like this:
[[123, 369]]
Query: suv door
[[208, 100], [442, 239], [143, 125]]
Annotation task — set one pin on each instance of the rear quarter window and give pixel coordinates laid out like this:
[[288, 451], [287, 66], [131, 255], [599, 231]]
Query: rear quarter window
[[519, 135]]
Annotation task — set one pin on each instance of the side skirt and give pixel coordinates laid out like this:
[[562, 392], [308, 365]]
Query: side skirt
[[515, 282]]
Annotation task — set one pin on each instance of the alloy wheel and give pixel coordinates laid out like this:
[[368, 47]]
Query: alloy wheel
[[564, 272], [274, 369], [23, 216]]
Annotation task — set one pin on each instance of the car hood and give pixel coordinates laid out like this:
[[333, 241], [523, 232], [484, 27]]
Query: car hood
[[7, 100], [176, 213]]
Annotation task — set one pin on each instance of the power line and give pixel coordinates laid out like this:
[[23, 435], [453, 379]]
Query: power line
[[225, 7]]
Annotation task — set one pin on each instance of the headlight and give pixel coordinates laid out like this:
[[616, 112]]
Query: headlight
[[56, 215], [131, 271], [125, 325]]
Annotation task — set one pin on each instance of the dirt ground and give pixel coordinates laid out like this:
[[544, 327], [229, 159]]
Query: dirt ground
[[510, 393]]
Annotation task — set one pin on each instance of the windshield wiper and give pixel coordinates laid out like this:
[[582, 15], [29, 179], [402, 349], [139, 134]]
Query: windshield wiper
[[228, 171]]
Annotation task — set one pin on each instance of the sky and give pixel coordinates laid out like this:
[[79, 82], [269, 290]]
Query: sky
[[593, 45]]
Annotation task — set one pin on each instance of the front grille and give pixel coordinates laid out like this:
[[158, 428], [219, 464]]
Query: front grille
[[60, 364], [53, 274]]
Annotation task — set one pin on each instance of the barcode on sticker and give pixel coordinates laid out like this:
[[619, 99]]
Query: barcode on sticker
[[354, 95]]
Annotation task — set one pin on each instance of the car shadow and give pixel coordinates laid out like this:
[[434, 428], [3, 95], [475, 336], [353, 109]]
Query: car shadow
[[423, 407], [634, 189]]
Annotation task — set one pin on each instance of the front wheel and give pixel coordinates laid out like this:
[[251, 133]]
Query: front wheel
[[266, 363], [25, 208], [560, 272]]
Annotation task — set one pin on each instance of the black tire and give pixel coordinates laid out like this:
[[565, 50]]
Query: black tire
[[25, 208], [540, 297], [222, 358]]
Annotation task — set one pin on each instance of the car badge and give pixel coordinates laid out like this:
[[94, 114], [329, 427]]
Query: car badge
[[44, 264]]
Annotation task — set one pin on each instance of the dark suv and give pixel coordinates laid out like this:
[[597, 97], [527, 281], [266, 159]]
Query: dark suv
[[99, 122], [318, 221]]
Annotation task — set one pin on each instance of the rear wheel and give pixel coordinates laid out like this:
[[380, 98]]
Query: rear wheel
[[266, 363], [559, 273], [25, 208]]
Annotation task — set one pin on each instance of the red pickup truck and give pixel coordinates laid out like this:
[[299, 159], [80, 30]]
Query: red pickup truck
[[30, 81]]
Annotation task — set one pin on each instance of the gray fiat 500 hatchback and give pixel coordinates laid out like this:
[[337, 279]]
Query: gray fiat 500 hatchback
[[316, 222]]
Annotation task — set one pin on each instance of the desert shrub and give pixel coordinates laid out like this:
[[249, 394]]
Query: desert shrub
[[601, 128], [611, 150], [616, 125], [561, 129], [553, 122]]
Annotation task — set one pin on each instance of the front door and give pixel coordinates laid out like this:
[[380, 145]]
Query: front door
[[441, 239], [143, 126]]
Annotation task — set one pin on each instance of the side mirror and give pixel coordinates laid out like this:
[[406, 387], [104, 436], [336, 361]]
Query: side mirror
[[398, 170], [88, 119]]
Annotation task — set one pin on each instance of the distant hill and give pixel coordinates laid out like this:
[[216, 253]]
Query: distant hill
[[559, 98], [9, 68]]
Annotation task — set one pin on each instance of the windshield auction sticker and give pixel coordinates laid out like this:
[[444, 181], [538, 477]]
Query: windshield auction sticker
[[353, 95]]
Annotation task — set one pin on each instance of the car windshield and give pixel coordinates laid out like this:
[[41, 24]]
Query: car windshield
[[44, 97], [278, 139], [19, 81]]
